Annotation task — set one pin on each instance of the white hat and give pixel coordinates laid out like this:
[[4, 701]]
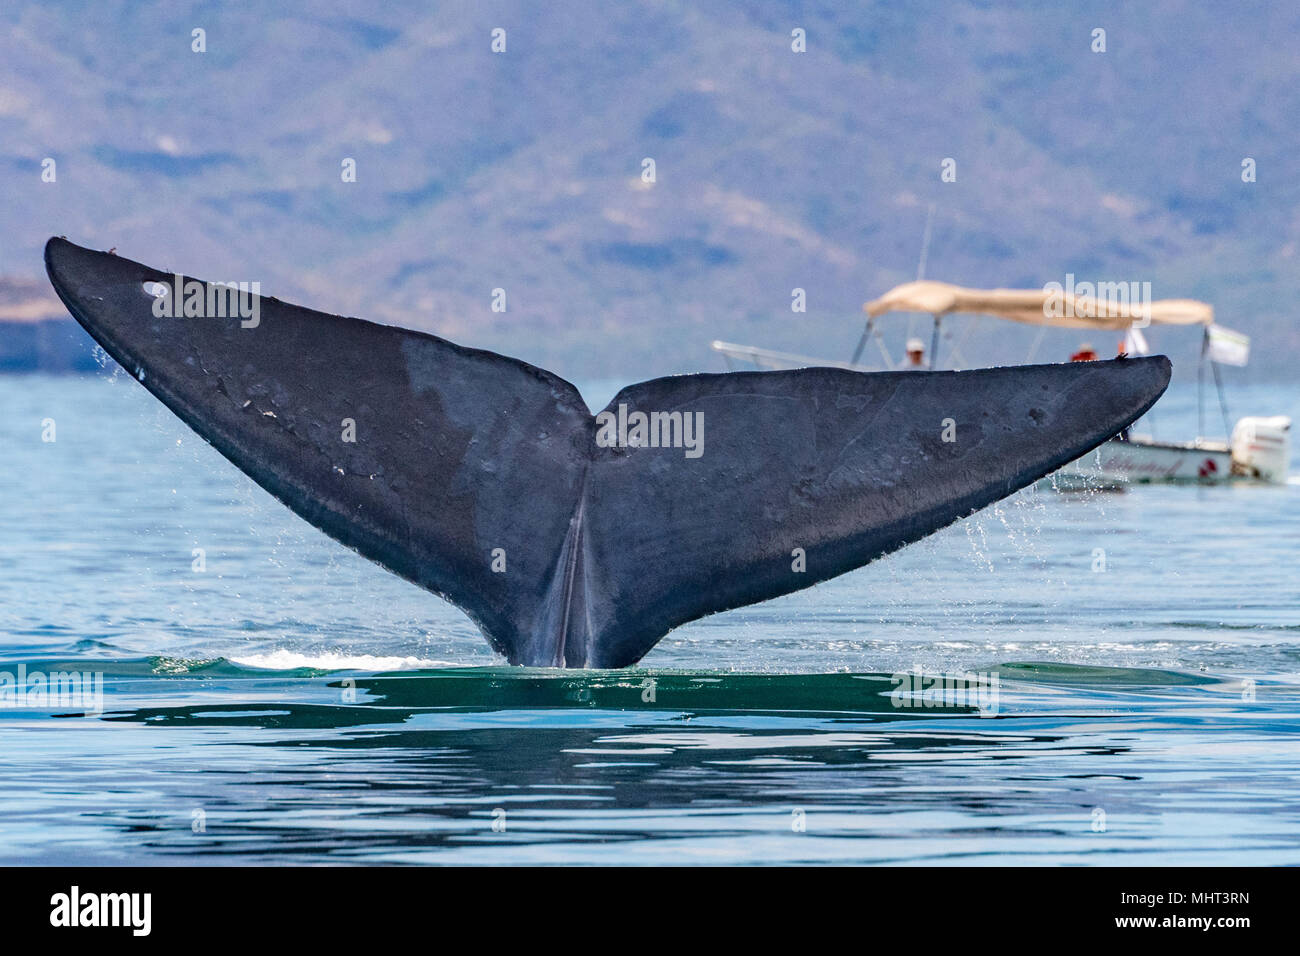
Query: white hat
[[915, 345]]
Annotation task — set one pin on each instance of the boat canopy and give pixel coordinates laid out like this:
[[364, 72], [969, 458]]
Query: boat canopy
[[1108, 305]]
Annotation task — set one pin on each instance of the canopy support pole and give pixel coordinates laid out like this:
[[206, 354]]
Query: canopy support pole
[[862, 342], [1038, 340], [884, 352], [934, 345], [1200, 388], [957, 355], [1223, 402]]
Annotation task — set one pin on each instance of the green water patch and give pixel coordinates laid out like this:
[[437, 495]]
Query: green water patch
[[305, 697], [1050, 672]]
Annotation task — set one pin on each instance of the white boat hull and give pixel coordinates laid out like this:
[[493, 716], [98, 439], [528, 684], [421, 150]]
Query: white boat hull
[[1142, 460]]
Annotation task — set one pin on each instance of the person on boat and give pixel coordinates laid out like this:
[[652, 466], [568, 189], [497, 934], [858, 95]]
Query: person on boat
[[915, 354]]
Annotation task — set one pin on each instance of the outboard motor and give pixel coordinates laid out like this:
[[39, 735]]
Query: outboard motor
[[1261, 448]]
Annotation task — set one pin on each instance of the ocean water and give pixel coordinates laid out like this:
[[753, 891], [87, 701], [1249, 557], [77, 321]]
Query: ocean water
[[283, 700]]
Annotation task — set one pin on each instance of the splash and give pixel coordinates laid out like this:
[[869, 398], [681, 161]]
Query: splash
[[283, 660]]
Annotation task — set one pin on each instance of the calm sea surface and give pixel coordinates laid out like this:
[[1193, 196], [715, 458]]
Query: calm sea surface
[[291, 702]]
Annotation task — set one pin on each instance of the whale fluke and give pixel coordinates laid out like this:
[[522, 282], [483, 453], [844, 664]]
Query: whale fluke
[[487, 480]]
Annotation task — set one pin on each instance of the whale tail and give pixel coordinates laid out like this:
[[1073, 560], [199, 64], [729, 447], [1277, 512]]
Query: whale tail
[[571, 540]]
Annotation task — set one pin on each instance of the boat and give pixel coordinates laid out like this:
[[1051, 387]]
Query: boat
[[1256, 450]]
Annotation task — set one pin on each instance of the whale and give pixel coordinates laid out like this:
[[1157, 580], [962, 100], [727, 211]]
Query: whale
[[572, 539]]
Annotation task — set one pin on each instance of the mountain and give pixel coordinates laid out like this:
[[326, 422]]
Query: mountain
[[36, 332], [775, 170]]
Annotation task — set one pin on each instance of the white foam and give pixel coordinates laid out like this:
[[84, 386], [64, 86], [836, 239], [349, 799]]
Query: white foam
[[283, 660]]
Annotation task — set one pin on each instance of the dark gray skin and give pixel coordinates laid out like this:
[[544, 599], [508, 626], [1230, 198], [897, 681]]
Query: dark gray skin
[[459, 452]]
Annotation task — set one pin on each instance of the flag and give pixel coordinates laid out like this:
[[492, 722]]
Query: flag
[[1226, 346]]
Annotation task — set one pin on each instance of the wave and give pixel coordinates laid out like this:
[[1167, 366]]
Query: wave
[[284, 660]]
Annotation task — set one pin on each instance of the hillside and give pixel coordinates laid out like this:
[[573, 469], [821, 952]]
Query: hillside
[[775, 170]]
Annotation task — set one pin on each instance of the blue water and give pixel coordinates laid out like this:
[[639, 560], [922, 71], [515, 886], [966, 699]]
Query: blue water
[[290, 702]]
